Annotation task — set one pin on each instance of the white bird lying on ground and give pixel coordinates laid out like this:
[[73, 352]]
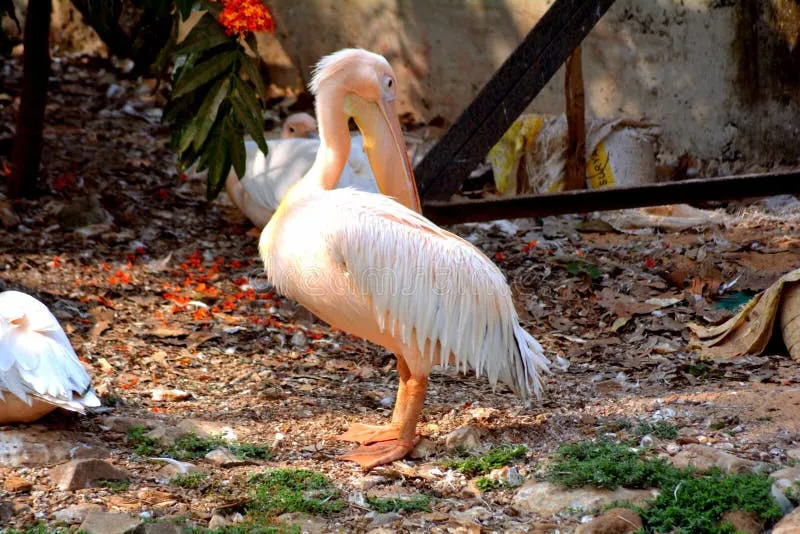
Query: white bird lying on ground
[[267, 178], [39, 370]]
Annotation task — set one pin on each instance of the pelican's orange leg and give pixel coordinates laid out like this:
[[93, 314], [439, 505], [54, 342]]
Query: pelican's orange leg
[[384, 452], [368, 434]]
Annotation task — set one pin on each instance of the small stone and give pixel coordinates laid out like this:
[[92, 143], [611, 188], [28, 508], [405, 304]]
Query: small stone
[[546, 499], [76, 513], [170, 395], [299, 340], [466, 438], [424, 449], [80, 474], [473, 515], [615, 521], [607, 386], [223, 457], [108, 523], [308, 523], [743, 522], [370, 481], [161, 527], [704, 458], [509, 476], [380, 520], [790, 524], [6, 511], [672, 448], [217, 521], [17, 485], [82, 212], [37, 445], [8, 218]]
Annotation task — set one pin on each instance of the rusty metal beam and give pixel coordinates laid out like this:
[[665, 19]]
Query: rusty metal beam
[[582, 201], [498, 104]]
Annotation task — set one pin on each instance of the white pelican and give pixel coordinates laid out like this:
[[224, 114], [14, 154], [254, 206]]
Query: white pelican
[[370, 266], [268, 178], [39, 370]]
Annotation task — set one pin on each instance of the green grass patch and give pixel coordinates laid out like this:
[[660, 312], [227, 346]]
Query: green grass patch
[[481, 465], [696, 505], [689, 502], [190, 446], [416, 503], [659, 429], [281, 491], [486, 484], [250, 527], [189, 480], [605, 464], [115, 485]]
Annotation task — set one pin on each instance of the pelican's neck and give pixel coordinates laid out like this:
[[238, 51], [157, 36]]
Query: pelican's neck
[[334, 140]]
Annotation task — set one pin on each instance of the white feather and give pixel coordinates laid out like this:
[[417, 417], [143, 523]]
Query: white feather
[[36, 358], [268, 178], [448, 293]]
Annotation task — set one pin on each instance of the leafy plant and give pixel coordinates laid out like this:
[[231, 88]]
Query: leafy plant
[[293, 490], [481, 465], [659, 429], [416, 503], [115, 485], [688, 502], [188, 480], [697, 503], [217, 90], [486, 484], [190, 446], [605, 464]]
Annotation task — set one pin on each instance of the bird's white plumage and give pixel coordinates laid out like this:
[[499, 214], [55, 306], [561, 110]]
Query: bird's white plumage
[[268, 178], [432, 289], [37, 361]]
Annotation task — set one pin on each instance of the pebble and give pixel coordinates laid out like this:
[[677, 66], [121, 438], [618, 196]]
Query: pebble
[[17, 485], [703, 458], [108, 523], [76, 513], [466, 438], [85, 473], [614, 521], [170, 395]]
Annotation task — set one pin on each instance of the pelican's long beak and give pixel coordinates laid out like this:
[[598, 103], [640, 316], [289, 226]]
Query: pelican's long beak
[[386, 148]]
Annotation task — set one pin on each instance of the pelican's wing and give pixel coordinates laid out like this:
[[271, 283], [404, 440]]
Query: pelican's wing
[[268, 178], [37, 359], [433, 289]]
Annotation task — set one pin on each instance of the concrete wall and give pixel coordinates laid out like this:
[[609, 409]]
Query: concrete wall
[[722, 77]]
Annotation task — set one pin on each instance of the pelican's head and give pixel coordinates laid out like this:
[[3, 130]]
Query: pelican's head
[[299, 126], [367, 86]]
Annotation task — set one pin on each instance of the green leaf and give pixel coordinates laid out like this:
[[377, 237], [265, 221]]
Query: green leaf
[[185, 7], [249, 98], [187, 135], [252, 42], [204, 72], [215, 8], [207, 113], [219, 160], [206, 34], [238, 154], [251, 67], [177, 107], [251, 124]]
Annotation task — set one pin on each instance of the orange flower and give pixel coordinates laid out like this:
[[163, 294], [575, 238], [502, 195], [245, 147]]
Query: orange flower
[[245, 16]]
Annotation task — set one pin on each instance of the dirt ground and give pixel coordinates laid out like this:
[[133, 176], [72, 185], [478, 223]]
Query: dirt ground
[[164, 290]]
